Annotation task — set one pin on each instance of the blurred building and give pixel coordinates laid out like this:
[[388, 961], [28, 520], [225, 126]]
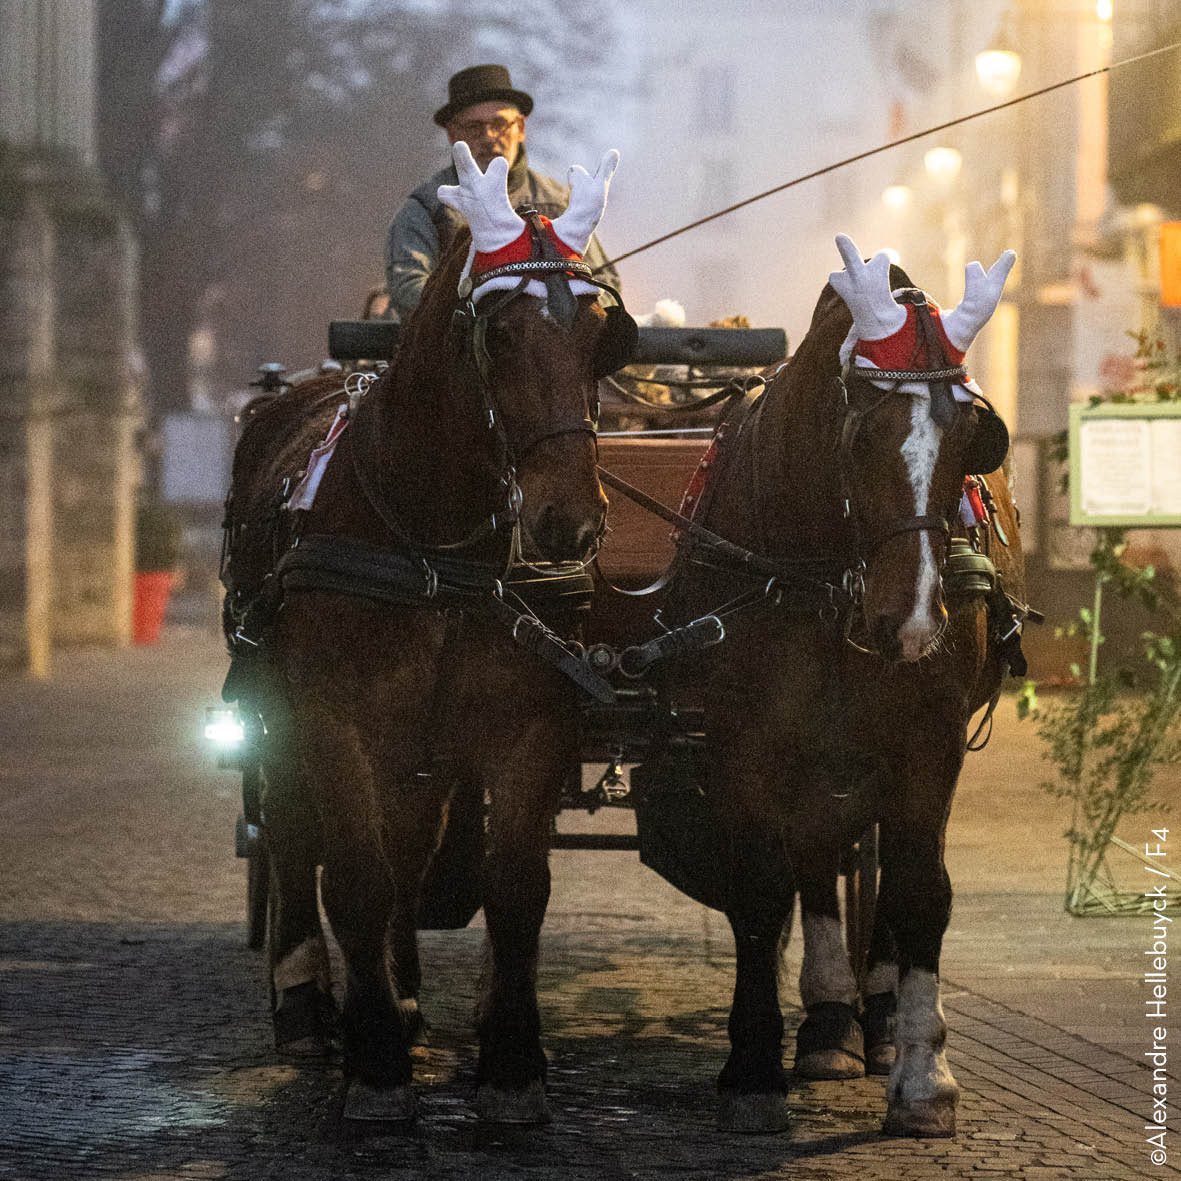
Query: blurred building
[[68, 396], [1077, 180]]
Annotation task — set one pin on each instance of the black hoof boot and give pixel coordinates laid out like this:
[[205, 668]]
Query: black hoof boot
[[877, 1018], [306, 1021], [829, 1044]]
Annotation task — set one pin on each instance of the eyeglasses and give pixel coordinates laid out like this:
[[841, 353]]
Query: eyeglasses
[[471, 129]]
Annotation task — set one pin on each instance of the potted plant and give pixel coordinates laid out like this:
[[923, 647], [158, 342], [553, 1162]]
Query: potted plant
[[157, 551]]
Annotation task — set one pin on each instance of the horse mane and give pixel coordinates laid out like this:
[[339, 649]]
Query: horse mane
[[802, 404], [425, 329], [831, 321]]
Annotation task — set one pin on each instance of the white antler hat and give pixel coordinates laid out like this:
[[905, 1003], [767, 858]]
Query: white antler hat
[[884, 333], [499, 235], [482, 198]]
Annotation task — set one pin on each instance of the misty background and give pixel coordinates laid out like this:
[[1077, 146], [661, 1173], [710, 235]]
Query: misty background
[[260, 151]]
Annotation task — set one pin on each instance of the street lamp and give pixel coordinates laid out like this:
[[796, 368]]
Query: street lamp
[[999, 66], [942, 164]]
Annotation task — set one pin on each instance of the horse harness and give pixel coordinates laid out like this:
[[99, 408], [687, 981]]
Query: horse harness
[[446, 576], [833, 588]]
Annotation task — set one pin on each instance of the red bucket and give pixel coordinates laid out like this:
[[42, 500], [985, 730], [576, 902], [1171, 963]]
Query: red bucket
[[152, 591]]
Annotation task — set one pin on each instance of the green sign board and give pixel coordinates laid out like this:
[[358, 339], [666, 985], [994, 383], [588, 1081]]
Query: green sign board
[[1125, 464]]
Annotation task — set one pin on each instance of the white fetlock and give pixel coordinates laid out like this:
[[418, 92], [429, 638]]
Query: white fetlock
[[307, 961], [922, 1093]]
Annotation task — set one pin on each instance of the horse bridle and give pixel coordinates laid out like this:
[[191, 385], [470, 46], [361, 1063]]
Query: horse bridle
[[939, 378], [472, 316], [469, 329]]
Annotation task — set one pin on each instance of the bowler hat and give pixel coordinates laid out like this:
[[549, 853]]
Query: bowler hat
[[480, 84]]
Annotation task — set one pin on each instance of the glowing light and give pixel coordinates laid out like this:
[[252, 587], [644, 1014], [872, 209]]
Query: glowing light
[[942, 164], [999, 66], [896, 197], [998, 71], [223, 727], [1103, 10]]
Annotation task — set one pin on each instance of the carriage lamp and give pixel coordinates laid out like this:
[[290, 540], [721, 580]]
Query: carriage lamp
[[224, 728]]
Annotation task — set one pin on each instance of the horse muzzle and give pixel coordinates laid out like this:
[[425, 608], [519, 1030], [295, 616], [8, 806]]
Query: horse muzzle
[[563, 536], [906, 640]]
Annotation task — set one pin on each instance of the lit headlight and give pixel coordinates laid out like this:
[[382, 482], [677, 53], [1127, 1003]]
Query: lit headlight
[[224, 728]]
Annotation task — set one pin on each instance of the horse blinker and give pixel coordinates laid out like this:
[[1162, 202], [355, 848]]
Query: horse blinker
[[989, 443], [617, 342]]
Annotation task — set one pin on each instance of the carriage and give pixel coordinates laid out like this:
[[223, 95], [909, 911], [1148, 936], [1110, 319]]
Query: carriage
[[655, 445], [816, 540]]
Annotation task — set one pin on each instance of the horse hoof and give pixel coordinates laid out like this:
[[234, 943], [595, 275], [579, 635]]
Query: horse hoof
[[830, 1043], [829, 1064], [754, 1113], [391, 1105], [498, 1106], [305, 1022], [921, 1117], [880, 1059], [877, 1020]]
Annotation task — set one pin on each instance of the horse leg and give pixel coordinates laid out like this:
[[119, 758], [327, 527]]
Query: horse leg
[[511, 1072], [303, 1013], [916, 898], [359, 898], [418, 836], [753, 1084], [370, 821], [829, 1043], [880, 1002]]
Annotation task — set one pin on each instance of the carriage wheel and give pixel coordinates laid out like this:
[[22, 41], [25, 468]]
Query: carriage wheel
[[258, 894]]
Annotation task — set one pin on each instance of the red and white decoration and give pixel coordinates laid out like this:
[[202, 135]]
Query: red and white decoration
[[884, 333], [304, 495], [500, 235]]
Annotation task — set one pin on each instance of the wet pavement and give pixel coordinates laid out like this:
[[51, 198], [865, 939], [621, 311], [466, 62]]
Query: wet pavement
[[134, 1037]]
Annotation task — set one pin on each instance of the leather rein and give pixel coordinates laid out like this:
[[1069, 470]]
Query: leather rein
[[448, 575]]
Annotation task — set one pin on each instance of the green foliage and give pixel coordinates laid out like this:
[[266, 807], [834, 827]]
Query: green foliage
[[1161, 369], [1028, 705], [157, 535], [1105, 742], [1106, 746], [1158, 378]]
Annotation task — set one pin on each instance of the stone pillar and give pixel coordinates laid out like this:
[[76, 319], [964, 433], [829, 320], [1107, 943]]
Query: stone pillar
[[69, 405]]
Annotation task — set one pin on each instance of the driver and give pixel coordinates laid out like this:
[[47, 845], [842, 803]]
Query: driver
[[485, 111]]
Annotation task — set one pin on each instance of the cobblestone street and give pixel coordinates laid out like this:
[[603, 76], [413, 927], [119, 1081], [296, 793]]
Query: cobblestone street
[[135, 1040]]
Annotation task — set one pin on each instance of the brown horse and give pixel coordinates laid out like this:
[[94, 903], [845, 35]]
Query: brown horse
[[396, 692], [841, 694]]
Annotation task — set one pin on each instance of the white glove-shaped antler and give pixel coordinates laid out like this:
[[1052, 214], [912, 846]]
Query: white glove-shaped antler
[[588, 200], [482, 198], [865, 288], [982, 292]]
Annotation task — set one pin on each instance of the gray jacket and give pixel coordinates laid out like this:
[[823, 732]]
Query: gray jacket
[[424, 227]]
